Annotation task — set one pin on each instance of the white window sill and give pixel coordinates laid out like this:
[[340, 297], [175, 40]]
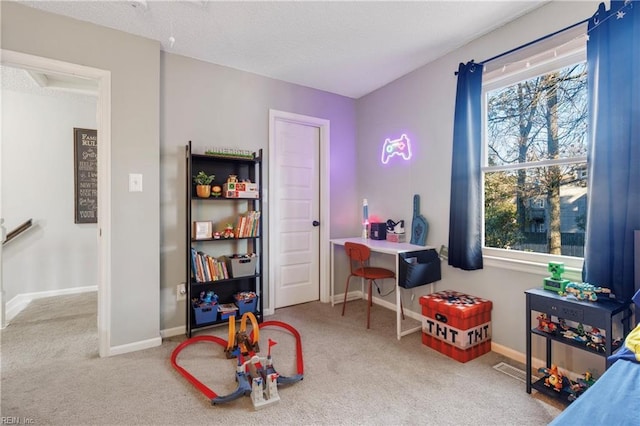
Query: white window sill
[[533, 263]]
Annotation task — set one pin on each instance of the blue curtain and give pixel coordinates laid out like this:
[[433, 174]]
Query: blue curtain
[[465, 221], [613, 60]]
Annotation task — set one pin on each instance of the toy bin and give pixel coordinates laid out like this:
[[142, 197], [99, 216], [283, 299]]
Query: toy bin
[[226, 315], [456, 324], [228, 309], [205, 313], [418, 268], [246, 304], [241, 266]]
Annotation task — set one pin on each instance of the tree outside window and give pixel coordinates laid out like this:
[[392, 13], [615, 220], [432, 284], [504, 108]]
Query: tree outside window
[[535, 180]]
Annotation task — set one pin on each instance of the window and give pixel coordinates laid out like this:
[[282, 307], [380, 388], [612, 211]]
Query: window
[[535, 145]]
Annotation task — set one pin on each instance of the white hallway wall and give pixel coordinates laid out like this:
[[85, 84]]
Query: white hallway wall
[[37, 182]]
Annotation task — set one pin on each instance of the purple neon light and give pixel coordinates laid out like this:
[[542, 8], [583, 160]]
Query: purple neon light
[[393, 147]]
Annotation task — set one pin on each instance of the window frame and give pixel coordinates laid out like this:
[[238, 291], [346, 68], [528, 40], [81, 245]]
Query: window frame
[[502, 73]]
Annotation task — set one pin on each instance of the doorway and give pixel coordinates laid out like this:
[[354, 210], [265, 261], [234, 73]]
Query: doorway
[[298, 209], [103, 120]]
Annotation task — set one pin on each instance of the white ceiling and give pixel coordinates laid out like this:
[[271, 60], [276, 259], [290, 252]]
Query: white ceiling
[[47, 84], [350, 48]]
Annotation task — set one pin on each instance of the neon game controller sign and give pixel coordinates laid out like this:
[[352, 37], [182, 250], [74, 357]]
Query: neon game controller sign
[[400, 147]]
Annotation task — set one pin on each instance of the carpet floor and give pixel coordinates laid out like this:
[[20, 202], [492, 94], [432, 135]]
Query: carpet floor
[[52, 374]]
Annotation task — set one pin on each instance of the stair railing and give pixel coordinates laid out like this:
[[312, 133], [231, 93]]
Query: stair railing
[[18, 230]]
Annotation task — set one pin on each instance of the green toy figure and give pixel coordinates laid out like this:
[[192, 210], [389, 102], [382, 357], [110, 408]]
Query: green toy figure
[[555, 282]]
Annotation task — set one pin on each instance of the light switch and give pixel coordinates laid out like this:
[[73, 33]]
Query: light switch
[[135, 182]]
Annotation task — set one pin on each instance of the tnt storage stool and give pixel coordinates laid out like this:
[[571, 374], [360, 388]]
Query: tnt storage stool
[[456, 324]]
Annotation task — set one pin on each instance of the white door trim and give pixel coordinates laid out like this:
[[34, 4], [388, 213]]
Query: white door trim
[[325, 220], [23, 60]]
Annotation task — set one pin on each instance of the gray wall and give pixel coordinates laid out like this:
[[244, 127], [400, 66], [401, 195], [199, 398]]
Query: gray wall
[[422, 104], [213, 105], [134, 64]]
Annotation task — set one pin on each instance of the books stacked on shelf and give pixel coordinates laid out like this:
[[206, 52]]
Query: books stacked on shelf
[[207, 268], [248, 225]]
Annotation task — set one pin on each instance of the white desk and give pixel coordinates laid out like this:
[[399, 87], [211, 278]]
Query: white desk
[[386, 247]]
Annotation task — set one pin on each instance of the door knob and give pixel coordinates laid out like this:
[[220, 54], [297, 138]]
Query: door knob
[[315, 223]]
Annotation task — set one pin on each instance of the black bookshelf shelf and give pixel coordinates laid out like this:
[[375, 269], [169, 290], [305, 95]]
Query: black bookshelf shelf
[[208, 209]]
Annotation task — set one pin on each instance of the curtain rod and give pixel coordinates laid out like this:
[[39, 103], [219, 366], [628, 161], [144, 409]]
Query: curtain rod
[[534, 41]]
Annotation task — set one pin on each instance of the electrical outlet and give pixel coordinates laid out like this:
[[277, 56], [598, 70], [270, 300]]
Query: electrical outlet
[[181, 292]]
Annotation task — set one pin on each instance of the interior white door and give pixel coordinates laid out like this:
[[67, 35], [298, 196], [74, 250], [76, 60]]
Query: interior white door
[[296, 192]]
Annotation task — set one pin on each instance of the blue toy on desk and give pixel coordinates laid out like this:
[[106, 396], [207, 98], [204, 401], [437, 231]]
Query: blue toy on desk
[[419, 225], [585, 291]]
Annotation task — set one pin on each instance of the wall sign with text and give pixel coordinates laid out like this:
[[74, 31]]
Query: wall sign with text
[[85, 165]]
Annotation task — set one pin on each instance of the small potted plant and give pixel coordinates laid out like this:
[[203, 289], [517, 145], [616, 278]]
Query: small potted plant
[[203, 184]]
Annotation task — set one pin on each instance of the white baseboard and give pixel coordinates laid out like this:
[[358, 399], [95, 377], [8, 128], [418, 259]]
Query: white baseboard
[[392, 306], [356, 295], [171, 332], [135, 346], [269, 312], [521, 358], [21, 301], [352, 295]]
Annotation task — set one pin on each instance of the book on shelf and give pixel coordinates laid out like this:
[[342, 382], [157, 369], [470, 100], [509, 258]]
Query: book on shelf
[[224, 269], [207, 268], [196, 266], [194, 269], [248, 224], [212, 266], [240, 227], [255, 224], [213, 269]]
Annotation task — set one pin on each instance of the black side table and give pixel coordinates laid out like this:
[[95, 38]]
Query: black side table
[[598, 314]]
